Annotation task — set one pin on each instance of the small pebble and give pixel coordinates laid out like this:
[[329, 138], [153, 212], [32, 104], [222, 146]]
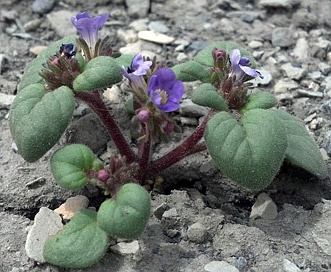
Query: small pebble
[[171, 213], [42, 6], [6, 100], [288, 266], [125, 248], [197, 233], [113, 94], [72, 206], [155, 37], [36, 50], [264, 207], [220, 266]]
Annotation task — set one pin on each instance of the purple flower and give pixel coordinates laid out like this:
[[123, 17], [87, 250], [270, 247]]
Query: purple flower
[[138, 67], [88, 27], [135, 72], [240, 66], [165, 90]]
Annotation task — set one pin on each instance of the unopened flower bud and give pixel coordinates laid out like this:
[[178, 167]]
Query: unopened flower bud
[[218, 54], [169, 127], [144, 115], [103, 175]]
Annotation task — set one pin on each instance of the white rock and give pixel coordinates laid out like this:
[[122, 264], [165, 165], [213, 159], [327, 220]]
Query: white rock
[[137, 8], [155, 37], [278, 3], [288, 266], [6, 100], [188, 108], [264, 207], [46, 223], [171, 213], [220, 266], [128, 36], [267, 77], [255, 44], [113, 94], [125, 248]]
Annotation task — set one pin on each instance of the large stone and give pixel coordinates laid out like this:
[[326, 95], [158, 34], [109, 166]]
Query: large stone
[[282, 37], [61, 22], [46, 223]]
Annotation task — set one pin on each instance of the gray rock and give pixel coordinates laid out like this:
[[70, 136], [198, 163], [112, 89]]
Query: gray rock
[[326, 84], [264, 207], [278, 3], [321, 48], [282, 36], [61, 23], [307, 93], [197, 233], [137, 8], [292, 72], [158, 26], [255, 44], [159, 210], [3, 63], [220, 266], [246, 16], [322, 228], [301, 50], [42, 6], [324, 68], [267, 78], [285, 85], [46, 223], [6, 100], [89, 131], [188, 108]]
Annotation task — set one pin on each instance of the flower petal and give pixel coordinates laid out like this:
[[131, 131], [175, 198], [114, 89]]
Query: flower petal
[[235, 57], [249, 71]]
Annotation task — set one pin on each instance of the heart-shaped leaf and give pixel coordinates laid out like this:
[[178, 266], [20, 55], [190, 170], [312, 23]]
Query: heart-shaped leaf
[[191, 71], [204, 57], [259, 100], [126, 215], [99, 72], [302, 149], [38, 119], [80, 244], [70, 166], [31, 72], [206, 95], [249, 151], [124, 60]]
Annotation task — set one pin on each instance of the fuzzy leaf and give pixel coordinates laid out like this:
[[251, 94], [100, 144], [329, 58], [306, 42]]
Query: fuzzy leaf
[[302, 149], [204, 57], [124, 60], [31, 72], [38, 119], [207, 95], [100, 72], [80, 244], [70, 166], [191, 71], [260, 100], [249, 151], [126, 215]]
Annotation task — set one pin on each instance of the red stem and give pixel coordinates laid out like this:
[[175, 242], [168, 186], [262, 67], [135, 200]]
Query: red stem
[[187, 147], [94, 100]]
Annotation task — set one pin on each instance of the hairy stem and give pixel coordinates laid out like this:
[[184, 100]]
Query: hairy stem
[[186, 148], [94, 100], [144, 151]]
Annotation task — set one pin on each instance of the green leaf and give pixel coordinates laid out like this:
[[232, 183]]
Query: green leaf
[[204, 57], [70, 166], [191, 71], [38, 119], [207, 95], [124, 60], [100, 72], [260, 100], [126, 215], [31, 72], [80, 244], [249, 151], [302, 150]]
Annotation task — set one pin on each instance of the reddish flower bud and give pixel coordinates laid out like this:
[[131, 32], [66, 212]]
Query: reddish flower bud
[[103, 175], [144, 115]]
